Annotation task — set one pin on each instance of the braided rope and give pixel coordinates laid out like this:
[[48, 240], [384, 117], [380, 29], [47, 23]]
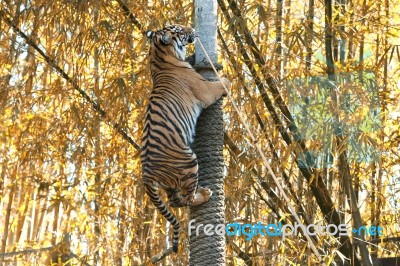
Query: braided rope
[[208, 146]]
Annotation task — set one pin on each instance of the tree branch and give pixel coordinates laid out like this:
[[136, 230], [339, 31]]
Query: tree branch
[[58, 247], [96, 106], [156, 258], [247, 258], [270, 144], [129, 14]]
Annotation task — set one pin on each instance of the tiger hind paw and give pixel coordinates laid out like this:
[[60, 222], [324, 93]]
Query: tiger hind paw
[[202, 195]]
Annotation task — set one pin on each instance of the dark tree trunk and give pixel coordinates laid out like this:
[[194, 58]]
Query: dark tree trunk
[[343, 165]]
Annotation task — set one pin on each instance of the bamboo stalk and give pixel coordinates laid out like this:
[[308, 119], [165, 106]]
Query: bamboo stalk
[[7, 218]]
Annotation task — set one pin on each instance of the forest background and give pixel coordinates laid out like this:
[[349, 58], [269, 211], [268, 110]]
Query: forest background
[[317, 83]]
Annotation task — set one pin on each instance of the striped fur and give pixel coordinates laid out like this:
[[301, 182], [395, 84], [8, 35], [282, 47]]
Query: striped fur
[[178, 96]]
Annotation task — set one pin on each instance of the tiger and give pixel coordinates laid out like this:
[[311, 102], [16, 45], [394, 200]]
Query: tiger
[[178, 96]]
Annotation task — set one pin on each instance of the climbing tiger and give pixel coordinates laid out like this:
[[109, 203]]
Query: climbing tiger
[[178, 96]]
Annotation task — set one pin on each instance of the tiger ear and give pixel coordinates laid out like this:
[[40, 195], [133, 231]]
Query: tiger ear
[[149, 34], [166, 38]]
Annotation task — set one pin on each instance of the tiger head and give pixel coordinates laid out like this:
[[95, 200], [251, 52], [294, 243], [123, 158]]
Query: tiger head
[[174, 37]]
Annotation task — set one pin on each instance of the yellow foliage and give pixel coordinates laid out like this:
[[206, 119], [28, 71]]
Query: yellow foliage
[[66, 172]]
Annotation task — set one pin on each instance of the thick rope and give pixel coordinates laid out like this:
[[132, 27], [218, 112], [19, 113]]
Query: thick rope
[[208, 146], [260, 152]]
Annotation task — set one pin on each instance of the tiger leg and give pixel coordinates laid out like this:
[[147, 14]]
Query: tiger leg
[[210, 91], [152, 191], [192, 194], [174, 197]]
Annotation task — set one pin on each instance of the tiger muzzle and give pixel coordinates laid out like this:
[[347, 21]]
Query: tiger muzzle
[[192, 37]]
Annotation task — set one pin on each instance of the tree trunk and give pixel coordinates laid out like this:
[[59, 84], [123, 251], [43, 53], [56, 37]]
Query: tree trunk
[[309, 35], [208, 145], [343, 165], [279, 39]]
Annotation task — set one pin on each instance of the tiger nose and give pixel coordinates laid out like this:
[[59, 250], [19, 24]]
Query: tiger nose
[[191, 38]]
